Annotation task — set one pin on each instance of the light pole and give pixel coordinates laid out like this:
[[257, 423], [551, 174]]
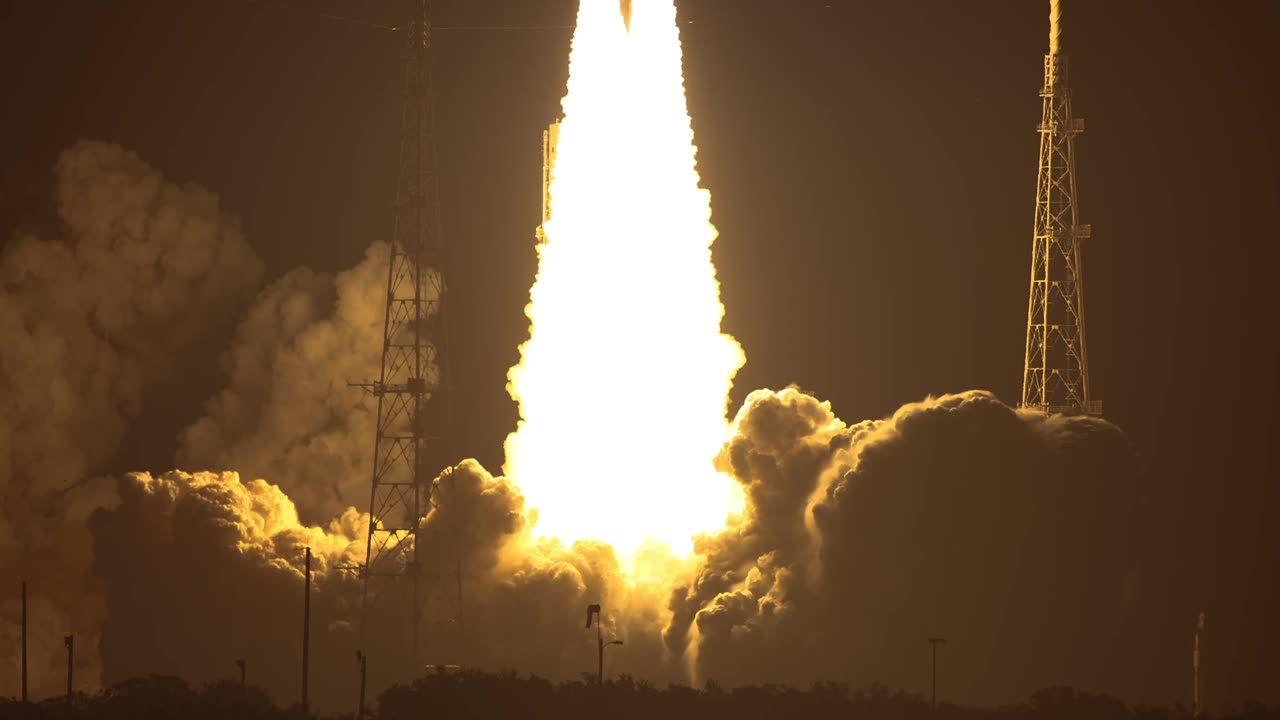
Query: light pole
[[70, 642], [600, 660], [593, 612], [24, 642], [1195, 669], [240, 664], [935, 642], [306, 635], [363, 660]]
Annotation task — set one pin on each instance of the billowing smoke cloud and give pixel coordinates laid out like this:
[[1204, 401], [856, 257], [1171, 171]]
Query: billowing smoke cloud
[[201, 570], [958, 516], [288, 413], [92, 316], [1004, 532], [208, 546]]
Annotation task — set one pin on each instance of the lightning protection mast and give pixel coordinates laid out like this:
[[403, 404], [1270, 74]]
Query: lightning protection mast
[[1055, 378], [413, 389]]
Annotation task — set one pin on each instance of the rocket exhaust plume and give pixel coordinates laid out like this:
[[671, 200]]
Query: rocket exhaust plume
[[625, 7], [625, 311]]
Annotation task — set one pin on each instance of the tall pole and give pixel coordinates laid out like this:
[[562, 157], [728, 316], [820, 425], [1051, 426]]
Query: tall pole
[[240, 664], [306, 631], [935, 642], [363, 659], [593, 613], [1195, 669], [70, 642], [24, 641]]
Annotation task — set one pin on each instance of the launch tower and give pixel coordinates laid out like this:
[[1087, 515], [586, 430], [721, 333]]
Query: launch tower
[[1056, 373], [413, 390]]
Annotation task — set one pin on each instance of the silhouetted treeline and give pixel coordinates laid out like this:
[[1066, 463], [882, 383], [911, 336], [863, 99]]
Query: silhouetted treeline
[[474, 695]]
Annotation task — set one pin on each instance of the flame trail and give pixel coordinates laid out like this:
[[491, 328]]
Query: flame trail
[[625, 312]]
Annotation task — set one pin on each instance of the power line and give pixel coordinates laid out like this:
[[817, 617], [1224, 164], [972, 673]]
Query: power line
[[438, 28]]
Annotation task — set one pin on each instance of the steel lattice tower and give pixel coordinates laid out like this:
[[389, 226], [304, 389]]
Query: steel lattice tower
[[413, 389], [1056, 373]]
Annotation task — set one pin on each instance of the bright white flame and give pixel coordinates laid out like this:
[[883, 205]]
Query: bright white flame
[[624, 381]]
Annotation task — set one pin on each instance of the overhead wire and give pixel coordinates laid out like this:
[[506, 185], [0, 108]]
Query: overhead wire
[[445, 28]]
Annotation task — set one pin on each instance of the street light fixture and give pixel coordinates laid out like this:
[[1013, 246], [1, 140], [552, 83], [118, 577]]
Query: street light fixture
[[593, 613], [935, 642]]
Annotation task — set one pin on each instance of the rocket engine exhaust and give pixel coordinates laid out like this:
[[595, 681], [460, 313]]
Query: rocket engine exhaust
[[625, 7]]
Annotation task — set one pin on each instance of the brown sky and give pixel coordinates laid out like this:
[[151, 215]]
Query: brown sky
[[872, 167]]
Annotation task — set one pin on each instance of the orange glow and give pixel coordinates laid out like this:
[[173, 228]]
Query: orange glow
[[624, 381]]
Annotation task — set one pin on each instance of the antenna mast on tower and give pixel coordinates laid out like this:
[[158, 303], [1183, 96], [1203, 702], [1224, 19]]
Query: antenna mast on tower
[[413, 389], [1055, 377]]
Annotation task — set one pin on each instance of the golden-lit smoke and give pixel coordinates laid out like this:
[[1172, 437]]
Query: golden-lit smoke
[[626, 308]]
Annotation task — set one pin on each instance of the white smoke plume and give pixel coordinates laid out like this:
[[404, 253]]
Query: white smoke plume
[[92, 315], [184, 546], [956, 516], [288, 413], [1004, 531], [201, 569]]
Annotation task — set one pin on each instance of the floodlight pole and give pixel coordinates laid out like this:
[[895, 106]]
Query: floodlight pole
[[935, 642], [306, 634], [24, 642], [363, 660], [70, 642], [593, 611], [1196, 700]]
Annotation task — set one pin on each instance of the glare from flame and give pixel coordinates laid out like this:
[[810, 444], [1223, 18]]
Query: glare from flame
[[624, 381]]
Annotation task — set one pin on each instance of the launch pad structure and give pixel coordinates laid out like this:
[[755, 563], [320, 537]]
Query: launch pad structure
[[1055, 376], [410, 466]]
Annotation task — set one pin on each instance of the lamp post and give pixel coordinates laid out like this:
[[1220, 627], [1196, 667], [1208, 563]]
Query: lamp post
[[1196, 700], [935, 642], [593, 612], [363, 660], [70, 642], [24, 642], [306, 635], [601, 644]]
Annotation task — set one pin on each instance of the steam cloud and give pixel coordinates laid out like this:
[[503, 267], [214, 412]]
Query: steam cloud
[[955, 516], [288, 413], [859, 541], [91, 317]]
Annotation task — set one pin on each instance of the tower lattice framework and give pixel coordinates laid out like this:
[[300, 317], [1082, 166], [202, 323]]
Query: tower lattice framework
[[1056, 373], [410, 466]]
